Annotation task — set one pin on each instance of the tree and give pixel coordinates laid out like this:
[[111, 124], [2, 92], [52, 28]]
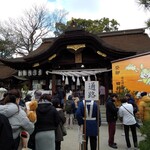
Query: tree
[[146, 5], [6, 49], [27, 31], [92, 26]]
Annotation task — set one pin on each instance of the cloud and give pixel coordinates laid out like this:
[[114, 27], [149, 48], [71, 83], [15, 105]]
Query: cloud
[[126, 12]]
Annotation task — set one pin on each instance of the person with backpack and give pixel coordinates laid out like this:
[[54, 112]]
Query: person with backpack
[[16, 115], [70, 110]]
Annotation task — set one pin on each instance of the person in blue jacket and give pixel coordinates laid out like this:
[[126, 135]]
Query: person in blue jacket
[[92, 121], [131, 100]]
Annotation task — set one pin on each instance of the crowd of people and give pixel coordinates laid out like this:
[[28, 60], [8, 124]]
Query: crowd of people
[[129, 111], [54, 112]]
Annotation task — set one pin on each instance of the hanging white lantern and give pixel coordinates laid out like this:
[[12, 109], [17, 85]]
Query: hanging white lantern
[[39, 72], [73, 79], [66, 81], [24, 72], [78, 81], [34, 72], [89, 79], [29, 73], [19, 73]]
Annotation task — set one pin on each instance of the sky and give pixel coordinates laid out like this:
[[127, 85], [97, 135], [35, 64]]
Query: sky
[[126, 12]]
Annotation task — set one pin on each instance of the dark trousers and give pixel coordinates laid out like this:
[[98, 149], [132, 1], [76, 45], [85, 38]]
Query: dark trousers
[[134, 135], [16, 142], [111, 132], [93, 142], [102, 99], [57, 145]]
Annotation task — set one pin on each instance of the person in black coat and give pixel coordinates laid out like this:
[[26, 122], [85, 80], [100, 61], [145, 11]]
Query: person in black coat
[[111, 115], [59, 132], [6, 136], [46, 124]]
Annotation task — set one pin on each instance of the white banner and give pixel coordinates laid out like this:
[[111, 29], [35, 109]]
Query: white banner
[[91, 90]]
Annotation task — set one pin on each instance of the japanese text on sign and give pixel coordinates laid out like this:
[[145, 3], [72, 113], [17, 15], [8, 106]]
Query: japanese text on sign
[[91, 90]]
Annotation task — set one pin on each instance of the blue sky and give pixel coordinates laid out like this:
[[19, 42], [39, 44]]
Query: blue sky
[[126, 12]]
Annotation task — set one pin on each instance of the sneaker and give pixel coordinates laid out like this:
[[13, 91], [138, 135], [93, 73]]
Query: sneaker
[[113, 146]]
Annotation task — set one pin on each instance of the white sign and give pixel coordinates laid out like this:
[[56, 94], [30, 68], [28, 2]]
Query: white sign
[[91, 90]]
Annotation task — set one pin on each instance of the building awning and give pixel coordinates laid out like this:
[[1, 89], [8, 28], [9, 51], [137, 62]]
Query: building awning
[[78, 73], [20, 78]]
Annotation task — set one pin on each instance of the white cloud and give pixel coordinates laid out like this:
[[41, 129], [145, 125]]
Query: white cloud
[[15, 8], [126, 12]]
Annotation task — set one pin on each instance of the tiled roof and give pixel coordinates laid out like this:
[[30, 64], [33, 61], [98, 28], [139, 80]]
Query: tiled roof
[[134, 40], [128, 40], [123, 42], [6, 72]]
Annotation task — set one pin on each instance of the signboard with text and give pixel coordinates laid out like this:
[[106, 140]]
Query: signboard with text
[[132, 73], [91, 90]]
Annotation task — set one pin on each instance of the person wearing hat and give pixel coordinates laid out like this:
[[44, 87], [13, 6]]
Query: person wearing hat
[[144, 107]]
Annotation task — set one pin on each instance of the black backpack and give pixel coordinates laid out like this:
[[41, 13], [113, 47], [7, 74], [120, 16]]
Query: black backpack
[[6, 136], [68, 106]]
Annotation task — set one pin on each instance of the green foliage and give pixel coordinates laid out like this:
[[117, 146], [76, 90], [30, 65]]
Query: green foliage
[[92, 26], [145, 130], [121, 91], [24, 90], [145, 3]]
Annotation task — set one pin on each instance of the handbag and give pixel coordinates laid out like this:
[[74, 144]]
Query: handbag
[[136, 124], [64, 131]]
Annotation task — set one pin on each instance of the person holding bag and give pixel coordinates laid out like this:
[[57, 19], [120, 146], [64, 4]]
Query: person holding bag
[[129, 122], [60, 130]]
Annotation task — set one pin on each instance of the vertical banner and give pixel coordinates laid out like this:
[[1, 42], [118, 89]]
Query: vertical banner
[[91, 90]]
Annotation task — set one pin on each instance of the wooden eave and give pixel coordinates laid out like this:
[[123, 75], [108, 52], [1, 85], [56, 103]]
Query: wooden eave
[[81, 37], [6, 72]]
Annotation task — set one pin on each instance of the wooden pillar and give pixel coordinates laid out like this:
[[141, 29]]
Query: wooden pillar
[[53, 84], [106, 83]]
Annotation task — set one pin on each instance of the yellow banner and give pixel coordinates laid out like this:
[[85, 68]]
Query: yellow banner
[[133, 73]]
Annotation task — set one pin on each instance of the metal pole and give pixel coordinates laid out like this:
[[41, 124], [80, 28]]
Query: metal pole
[[98, 115], [84, 128]]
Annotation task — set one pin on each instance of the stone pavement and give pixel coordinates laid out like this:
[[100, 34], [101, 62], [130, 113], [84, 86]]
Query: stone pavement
[[71, 140]]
